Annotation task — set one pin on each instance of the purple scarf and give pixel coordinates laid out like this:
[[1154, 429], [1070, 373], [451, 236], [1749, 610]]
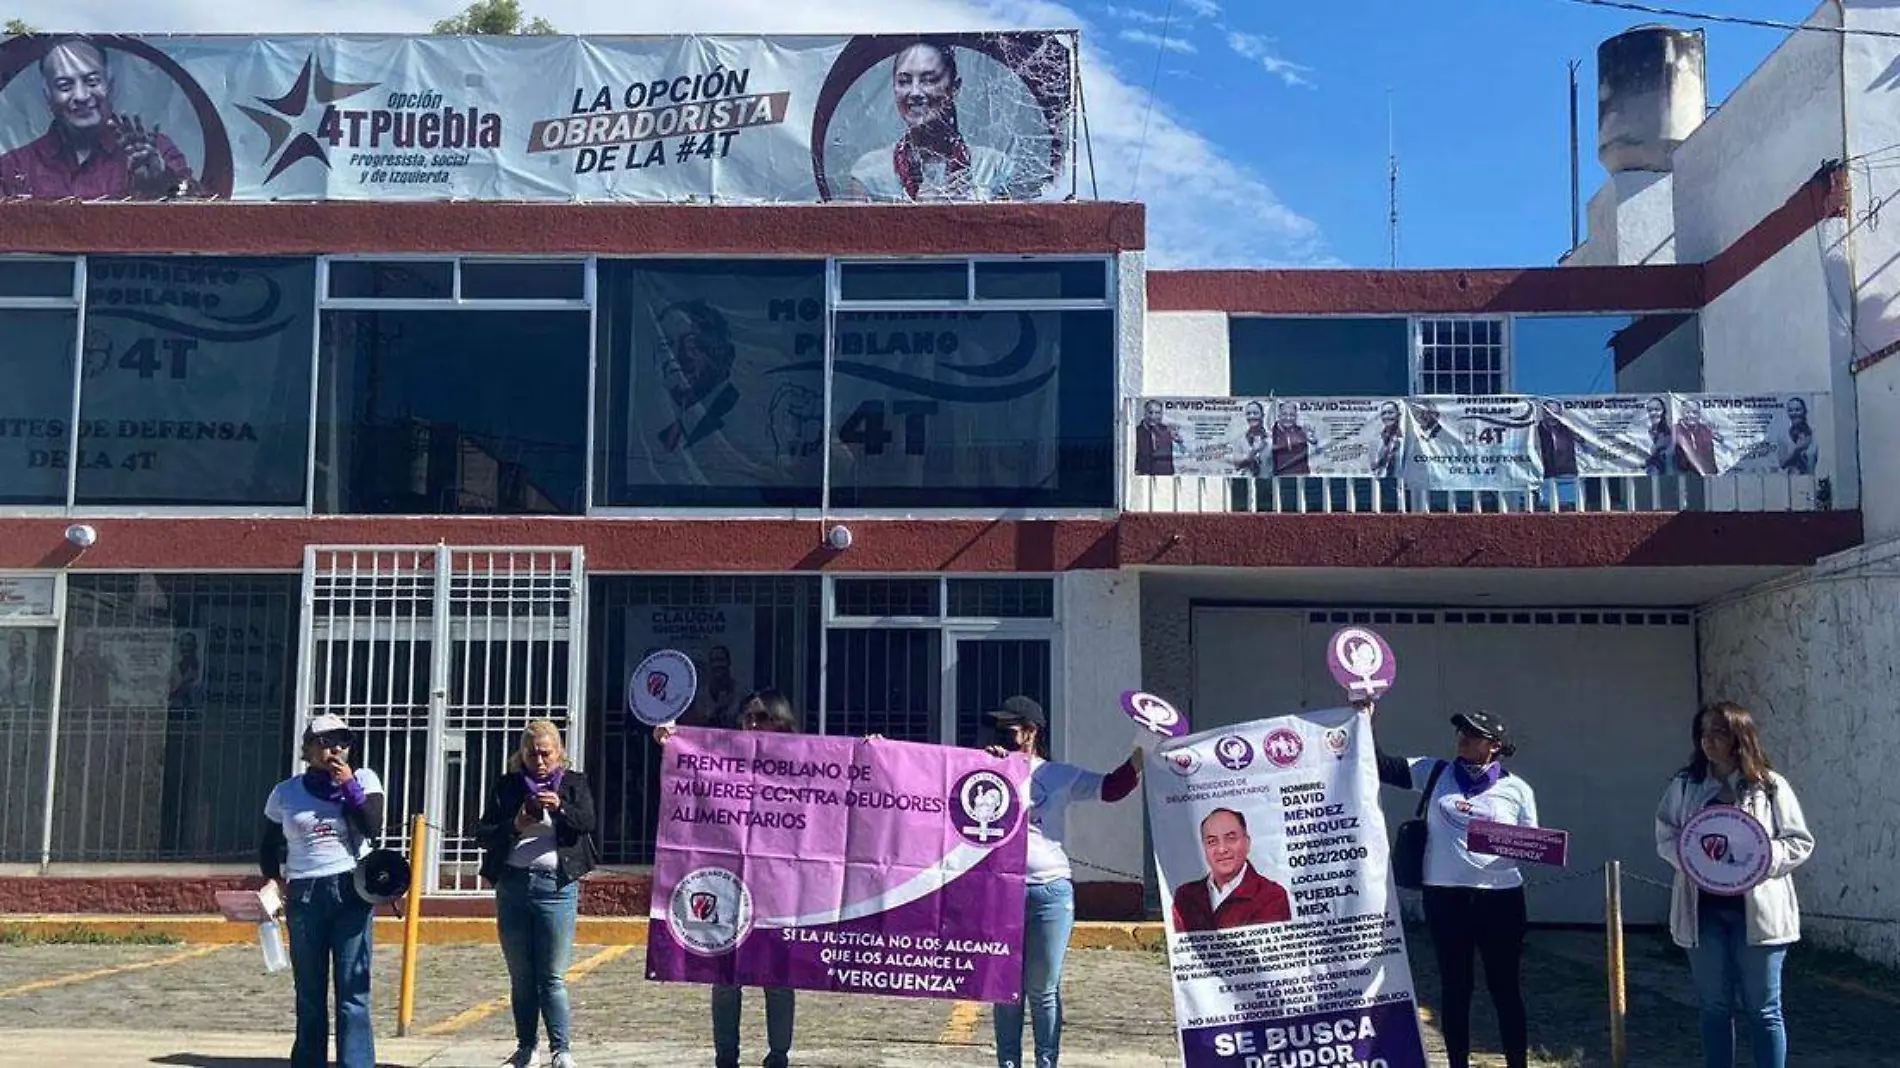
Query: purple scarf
[[549, 785], [1472, 785], [319, 785]]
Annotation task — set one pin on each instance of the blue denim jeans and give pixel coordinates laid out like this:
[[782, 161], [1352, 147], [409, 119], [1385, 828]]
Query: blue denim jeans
[[1049, 919], [535, 916], [780, 1006], [330, 929], [1729, 973]]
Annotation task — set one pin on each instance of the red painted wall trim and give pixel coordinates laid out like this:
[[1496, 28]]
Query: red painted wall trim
[[1681, 539], [1451, 292], [678, 545], [1823, 196], [632, 230], [934, 545]]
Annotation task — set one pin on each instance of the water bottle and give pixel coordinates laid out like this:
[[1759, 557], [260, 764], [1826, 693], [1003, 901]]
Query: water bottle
[[271, 939]]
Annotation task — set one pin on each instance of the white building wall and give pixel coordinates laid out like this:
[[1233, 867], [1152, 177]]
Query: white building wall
[[1766, 139], [1186, 354], [1101, 639], [1632, 221], [1871, 74], [1818, 663]]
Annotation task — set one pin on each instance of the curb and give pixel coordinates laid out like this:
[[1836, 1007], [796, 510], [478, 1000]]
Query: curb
[[455, 930]]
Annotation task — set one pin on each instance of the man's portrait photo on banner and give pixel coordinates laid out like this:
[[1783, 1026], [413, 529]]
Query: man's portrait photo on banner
[[956, 117], [1233, 892], [105, 118]]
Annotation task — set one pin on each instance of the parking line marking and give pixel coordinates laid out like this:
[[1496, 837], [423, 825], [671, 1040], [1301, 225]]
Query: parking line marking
[[960, 1029], [494, 1005], [103, 973]]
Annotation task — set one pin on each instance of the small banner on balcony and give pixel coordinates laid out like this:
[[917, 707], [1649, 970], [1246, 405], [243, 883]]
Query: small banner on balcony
[[1477, 443]]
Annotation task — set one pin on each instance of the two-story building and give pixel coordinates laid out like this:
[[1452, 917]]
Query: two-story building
[[445, 457]]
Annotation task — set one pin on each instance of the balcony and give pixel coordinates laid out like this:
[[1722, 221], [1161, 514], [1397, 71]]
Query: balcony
[[1495, 455]]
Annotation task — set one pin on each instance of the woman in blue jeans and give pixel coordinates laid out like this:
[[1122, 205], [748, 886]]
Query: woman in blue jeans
[[1050, 909], [317, 825], [1736, 944], [761, 710], [536, 832]]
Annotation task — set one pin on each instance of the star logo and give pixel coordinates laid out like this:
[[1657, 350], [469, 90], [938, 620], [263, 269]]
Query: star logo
[[312, 83]]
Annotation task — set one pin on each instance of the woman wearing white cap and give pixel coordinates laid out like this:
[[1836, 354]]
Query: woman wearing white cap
[[1473, 903], [318, 825]]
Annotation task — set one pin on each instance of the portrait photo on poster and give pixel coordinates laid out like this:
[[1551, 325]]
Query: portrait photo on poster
[[952, 117], [106, 118]]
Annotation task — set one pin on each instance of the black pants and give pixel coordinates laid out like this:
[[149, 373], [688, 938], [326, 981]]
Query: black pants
[[1491, 922]]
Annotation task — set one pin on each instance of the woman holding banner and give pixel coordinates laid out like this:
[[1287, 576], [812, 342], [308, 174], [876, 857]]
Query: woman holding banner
[[1052, 788], [1736, 942], [536, 834], [1473, 902], [761, 710]]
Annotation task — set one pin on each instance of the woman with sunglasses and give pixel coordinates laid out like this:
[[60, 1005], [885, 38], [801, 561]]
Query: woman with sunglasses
[[1736, 944], [1473, 902], [761, 710], [317, 826], [536, 834]]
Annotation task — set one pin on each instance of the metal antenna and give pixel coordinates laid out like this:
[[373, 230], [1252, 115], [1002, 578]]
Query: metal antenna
[[1392, 179]]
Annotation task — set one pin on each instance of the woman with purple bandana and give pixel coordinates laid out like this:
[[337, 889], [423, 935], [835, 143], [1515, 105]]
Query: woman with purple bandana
[[1473, 903], [537, 832], [318, 825]]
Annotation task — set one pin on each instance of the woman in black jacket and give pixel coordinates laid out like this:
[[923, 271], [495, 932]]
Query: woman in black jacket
[[536, 832]]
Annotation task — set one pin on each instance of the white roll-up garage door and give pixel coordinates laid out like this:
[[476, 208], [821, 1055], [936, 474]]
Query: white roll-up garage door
[[1598, 700]]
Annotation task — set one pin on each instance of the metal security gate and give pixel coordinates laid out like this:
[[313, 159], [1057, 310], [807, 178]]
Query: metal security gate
[[438, 657]]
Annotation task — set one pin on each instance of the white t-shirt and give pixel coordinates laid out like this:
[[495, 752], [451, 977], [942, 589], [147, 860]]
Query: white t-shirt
[[989, 177], [316, 829], [1448, 817], [1050, 790], [536, 848]]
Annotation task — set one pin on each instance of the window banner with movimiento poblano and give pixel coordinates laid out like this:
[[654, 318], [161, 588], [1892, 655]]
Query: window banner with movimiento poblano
[[1284, 934], [732, 119], [861, 866]]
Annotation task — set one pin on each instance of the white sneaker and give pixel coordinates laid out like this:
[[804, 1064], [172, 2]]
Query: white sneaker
[[563, 1059]]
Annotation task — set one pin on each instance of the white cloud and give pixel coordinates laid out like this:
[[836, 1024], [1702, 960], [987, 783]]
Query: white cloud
[[1155, 40], [1136, 14], [1207, 9], [1204, 206], [1260, 50]]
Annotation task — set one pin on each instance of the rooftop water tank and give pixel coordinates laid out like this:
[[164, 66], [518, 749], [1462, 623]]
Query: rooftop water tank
[[1652, 93]]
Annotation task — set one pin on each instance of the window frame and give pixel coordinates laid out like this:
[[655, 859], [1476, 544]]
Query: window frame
[[1507, 338]]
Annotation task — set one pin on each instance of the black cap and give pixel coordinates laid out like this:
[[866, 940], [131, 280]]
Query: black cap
[[1023, 710], [1484, 725]]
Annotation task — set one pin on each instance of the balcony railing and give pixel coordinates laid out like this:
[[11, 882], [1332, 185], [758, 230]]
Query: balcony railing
[[1797, 487]]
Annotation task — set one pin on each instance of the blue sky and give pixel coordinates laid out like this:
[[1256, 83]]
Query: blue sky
[[1480, 93], [1266, 140]]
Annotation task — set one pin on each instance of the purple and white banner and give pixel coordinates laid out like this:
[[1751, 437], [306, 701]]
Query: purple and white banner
[[733, 119], [1262, 437], [1723, 434], [1284, 933], [838, 864]]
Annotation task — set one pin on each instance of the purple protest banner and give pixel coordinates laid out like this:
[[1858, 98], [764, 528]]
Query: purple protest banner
[[838, 864], [1539, 845], [1154, 714], [1361, 661]]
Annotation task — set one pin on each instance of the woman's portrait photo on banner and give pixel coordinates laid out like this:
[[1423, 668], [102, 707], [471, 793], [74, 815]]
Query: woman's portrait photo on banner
[[106, 118], [952, 117]]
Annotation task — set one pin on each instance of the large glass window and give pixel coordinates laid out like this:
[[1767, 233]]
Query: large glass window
[[1318, 357], [26, 707], [711, 383], [437, 412], [1465, 357], [743, 633], [175, 715], [197, 382], [36, 403], [974, 409]]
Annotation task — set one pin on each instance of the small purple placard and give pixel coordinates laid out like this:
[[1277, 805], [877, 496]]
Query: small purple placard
[[1154, 713], [1539, 845], [1361, 661]]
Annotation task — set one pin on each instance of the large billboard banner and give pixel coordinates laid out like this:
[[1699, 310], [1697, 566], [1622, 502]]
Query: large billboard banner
[[954, 117]]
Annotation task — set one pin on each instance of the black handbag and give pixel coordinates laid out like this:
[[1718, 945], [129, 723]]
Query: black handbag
[[1408, 846]]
